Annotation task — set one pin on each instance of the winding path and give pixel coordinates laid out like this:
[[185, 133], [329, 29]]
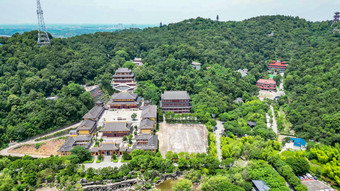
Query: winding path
[[274, 125], [218, 132]]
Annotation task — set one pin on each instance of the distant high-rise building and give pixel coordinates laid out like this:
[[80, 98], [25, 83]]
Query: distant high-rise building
[[43, 38], [217, 18]]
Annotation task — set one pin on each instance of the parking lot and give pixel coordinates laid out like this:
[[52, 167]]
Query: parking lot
[[316, 185], [191, 138]]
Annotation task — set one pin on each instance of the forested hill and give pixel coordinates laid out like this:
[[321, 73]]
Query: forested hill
[[28, 73]]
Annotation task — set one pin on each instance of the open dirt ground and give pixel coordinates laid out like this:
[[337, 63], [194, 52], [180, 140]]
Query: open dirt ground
[[191, 138], [46, 149]]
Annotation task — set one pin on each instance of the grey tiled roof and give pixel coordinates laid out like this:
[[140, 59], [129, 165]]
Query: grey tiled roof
[[108, 146], [175, 95], [70, 143], [82, 138], [123, 102], [146, 124], [116, 126], [123, 70], [149, 111], [86, 125], [124, 95], [144, 136], [94, 113], [261, 185], [152, 142]]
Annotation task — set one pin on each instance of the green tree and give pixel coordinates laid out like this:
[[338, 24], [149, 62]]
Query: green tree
[[299, 165], [183, 185], [82, 153], [219, 183], [134, 116]]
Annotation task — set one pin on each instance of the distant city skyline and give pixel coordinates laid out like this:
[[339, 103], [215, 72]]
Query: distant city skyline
[[156, 11]]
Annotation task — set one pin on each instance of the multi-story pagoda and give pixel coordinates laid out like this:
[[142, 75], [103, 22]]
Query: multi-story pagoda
[[176, 101], [123, 80]]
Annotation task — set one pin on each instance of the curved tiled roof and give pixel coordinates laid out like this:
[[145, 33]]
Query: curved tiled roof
[[175, 95]]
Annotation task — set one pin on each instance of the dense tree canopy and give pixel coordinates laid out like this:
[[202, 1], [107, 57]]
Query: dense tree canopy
[[29, 74]]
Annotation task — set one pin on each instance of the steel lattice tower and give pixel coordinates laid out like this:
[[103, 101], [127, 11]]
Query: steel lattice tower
[[43, 38]]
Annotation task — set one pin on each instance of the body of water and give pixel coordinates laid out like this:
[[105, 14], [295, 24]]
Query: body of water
[[168, 184], [62, 31]]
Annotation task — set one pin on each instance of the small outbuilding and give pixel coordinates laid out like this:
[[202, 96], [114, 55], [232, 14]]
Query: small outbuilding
[[251, 124], [196, 65], [299, 142]]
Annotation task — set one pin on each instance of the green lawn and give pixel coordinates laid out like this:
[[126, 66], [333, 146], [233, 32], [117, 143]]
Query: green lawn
[[115, 160], [98, 160]]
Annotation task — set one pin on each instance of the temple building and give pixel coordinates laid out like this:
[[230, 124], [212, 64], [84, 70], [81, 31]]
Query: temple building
[[277, 65], [266, 84], [87, 127], [147, 126], [123, 80], [72, 141], [116, 129], [124, 100], [175, 101], [146, 142], [107, 149], [94, 114], [138, 61], [149, 112]]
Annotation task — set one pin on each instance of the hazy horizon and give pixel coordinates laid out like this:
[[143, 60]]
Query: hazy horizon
[[153, 12]]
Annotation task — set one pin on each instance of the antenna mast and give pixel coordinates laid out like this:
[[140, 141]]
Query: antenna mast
[[43, 38]]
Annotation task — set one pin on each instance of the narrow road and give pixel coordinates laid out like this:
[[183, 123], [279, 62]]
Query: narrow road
[[5, 152], [281, 83], [274, 125], [219, 130]]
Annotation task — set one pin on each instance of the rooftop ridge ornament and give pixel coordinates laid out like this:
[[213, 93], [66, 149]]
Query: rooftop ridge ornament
[[43, 38]]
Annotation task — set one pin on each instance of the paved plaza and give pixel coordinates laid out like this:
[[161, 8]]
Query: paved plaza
[[120, 115], [191, 138], [106, 163]]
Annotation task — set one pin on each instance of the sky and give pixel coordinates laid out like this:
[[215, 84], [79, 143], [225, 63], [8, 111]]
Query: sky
[[156, 11]]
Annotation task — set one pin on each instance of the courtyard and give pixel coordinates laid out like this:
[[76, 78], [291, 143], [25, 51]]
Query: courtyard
[[120, 115], [190, 138]]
